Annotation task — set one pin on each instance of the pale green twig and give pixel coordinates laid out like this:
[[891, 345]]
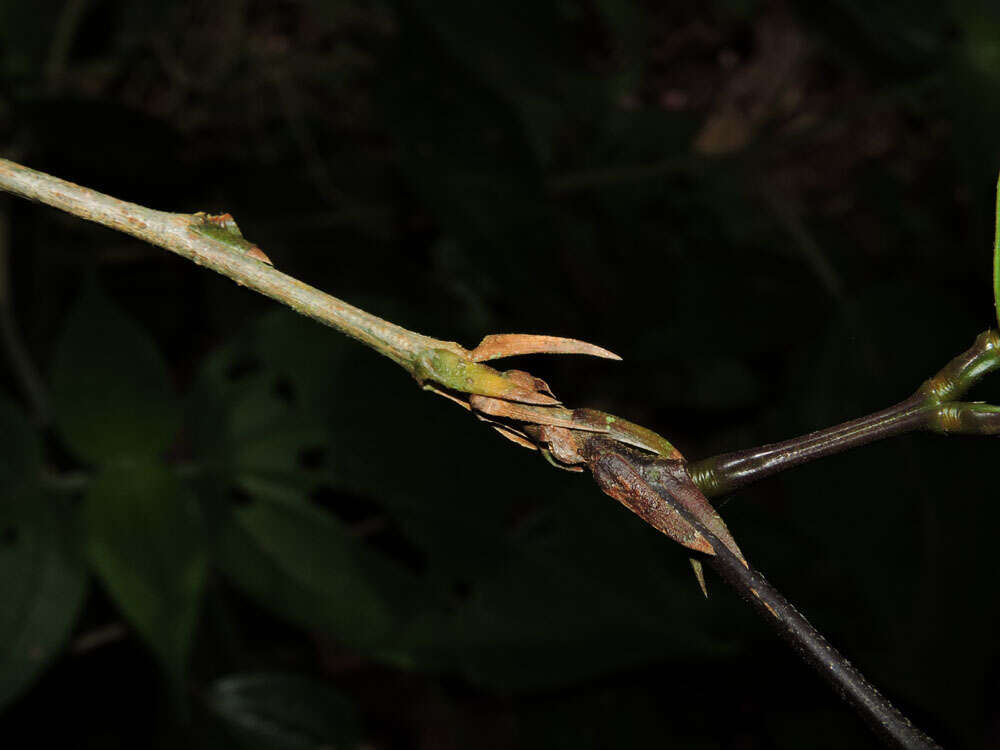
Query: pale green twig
[[179, 234]]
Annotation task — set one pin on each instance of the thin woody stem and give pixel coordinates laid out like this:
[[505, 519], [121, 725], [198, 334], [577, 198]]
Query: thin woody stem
[[720, 475], [877, 711], [176, 233], [890, 724], [933, 407], [10, 335]]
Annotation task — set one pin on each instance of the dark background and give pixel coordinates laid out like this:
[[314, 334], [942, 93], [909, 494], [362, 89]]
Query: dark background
[[223, 525]]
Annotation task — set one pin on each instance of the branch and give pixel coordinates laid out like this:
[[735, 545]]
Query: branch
[[24, 368], [933, 407], [221, 251], [882, 717], [631, 463]]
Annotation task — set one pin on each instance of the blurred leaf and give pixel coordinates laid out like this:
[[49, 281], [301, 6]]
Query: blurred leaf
[[145, 543], [877, 350], [759, 288], [20, 455], [583, 590], [867, 510], [111, 390], [980, 22], [525, 57], [302, 565], [996, 255], [254, 436], [310, 355], [328, 434], [545, 608], [268, 711], [42, 586], [26, 34]]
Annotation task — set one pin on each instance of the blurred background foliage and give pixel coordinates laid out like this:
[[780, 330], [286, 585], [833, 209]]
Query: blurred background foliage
[[225, 526]]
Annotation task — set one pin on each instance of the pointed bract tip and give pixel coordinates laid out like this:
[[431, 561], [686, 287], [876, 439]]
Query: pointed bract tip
[[499, 345], [699, 574]]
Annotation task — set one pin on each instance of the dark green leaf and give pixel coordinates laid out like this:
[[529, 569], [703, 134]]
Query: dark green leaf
[[111, 391], [866, 514], [268, 711], [42, 585], [258, 441], [143, 540], [256, 413], [302, 565]]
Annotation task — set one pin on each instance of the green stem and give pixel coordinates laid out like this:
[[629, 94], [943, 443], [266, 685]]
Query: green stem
[[933, 407], [964, 371], [178, 234], [965, 419]]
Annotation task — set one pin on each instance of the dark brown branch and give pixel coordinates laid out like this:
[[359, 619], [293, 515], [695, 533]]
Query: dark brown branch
[[880, 714], [722, 474], [933, 407]]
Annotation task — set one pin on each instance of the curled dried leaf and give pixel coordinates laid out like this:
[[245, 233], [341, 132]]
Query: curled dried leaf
[[673, 479], [617, 478], [498, 345], [540, 415], [529, 382]]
